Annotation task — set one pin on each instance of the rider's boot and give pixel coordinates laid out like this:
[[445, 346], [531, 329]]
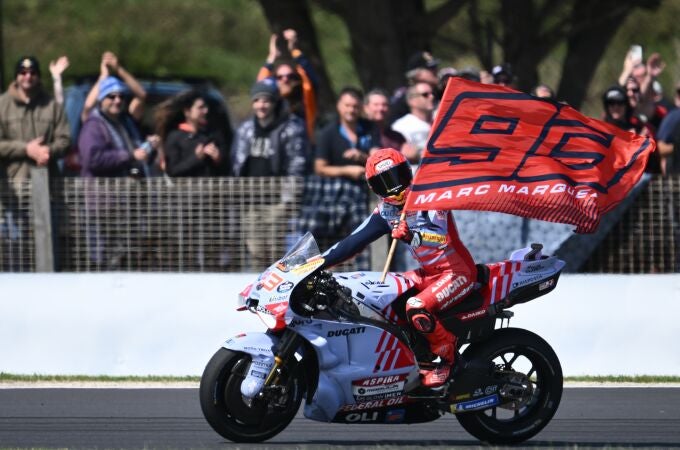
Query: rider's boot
[[443, 344]]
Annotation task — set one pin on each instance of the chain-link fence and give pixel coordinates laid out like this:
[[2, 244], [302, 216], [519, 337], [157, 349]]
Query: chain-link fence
[[244, 224], [647, 238], [178, 225], [16, 230]]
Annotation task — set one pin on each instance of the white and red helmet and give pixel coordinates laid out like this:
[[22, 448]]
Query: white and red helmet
[[389, 175]]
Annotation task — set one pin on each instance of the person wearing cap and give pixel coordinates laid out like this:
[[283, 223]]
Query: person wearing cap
[[446, 272], [34, 130], [110, 143], [502, 75], [272, 143], [619, 110], [191, 145], [110, 66], [420, 68]]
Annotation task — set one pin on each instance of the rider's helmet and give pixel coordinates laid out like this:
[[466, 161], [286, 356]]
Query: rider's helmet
[[389, 175]]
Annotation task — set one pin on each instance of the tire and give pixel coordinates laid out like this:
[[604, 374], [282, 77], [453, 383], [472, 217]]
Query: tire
[[225, 409], [534, 355]]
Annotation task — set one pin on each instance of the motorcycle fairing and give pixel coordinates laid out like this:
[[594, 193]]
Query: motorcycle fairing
[[507, 278], [350, 354], [273, 289], [373, 297], [389, 411]]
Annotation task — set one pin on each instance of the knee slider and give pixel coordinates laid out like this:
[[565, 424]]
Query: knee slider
[[421, 319]]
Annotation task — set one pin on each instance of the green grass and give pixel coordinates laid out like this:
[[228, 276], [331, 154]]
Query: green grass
[[625, 379], [4, 377], [98, 378]]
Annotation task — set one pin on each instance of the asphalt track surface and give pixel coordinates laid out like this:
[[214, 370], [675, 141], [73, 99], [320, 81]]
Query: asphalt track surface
[[600, 418]]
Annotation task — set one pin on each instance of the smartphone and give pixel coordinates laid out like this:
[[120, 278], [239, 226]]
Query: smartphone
[[281, 44], [636, 53]]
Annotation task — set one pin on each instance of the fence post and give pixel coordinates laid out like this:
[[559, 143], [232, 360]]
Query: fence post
[[42, 220]]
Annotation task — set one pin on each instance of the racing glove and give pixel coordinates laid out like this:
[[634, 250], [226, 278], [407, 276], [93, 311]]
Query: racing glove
[[402, 232]]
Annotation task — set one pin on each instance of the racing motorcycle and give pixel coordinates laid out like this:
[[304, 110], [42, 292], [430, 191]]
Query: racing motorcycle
[[341, 343]]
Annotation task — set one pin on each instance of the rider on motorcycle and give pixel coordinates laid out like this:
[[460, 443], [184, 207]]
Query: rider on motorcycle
[[447, 273]]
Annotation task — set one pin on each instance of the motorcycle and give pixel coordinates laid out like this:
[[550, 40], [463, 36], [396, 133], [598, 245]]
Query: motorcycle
[[341, 343]]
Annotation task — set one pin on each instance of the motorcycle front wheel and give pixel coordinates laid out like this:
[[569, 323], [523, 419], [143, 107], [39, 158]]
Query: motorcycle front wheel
[[240, 419], [527, 354]]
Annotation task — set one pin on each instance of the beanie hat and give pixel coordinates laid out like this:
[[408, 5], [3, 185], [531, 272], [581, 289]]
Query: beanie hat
[[109, 85], [27, 63], [265, 88]]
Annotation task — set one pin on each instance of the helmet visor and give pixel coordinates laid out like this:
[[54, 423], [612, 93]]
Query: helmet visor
[[392, 181]]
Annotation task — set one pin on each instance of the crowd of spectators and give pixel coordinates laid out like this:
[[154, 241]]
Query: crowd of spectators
[[283, 136]]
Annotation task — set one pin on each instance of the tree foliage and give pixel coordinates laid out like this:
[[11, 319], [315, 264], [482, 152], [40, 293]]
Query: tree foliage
[[576, 46]]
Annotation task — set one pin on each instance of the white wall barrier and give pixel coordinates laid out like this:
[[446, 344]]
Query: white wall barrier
[[171, 324]]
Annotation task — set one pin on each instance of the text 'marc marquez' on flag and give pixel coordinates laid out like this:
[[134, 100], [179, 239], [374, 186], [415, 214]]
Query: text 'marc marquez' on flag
[[495, 149]]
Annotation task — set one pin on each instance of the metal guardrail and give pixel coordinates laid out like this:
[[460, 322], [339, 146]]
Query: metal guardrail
[[241, 225]]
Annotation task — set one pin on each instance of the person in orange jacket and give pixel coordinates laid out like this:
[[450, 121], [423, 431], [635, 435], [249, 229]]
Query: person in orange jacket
[[296, 79]]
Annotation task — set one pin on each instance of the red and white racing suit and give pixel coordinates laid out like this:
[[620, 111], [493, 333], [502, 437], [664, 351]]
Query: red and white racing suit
[[447, 272]]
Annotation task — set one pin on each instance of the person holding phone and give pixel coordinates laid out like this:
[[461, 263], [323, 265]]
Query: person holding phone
[[294, 76]]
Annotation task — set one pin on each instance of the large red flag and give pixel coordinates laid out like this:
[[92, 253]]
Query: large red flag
[[495, 149]]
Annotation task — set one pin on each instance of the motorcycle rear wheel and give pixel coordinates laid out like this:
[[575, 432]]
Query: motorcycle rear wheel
[[524, 352], [232, 416]]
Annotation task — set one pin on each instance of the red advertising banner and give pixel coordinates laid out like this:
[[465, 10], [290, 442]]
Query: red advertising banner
[[495, 149]]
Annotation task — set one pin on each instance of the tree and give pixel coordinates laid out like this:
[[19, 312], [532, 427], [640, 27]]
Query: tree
[[384, 34], [531, 30]]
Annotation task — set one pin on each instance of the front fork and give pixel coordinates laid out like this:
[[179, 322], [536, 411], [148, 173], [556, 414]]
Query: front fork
[[289, 343]]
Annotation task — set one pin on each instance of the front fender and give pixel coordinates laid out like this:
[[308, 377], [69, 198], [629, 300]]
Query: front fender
[[260, 348], [259, 345]]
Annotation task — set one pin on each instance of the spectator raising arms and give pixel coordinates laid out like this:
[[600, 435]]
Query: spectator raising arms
[[110, 144], [110, 66], [190, 145], [57, 67], [296, 79]]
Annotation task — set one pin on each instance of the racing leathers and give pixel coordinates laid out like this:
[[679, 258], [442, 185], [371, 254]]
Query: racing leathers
[[447, 273]]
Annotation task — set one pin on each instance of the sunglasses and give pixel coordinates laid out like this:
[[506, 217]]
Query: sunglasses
[[115, 96], [28, 72]]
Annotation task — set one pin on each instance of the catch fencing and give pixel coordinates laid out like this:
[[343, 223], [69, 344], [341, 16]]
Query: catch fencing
[[242, 225]]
